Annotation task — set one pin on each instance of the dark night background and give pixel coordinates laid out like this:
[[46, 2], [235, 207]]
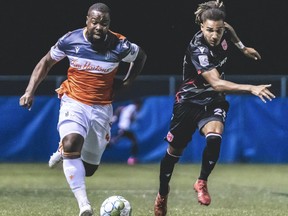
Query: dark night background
[[163, 28]]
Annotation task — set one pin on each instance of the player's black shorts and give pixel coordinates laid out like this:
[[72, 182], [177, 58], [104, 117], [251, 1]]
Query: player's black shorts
[[187, 117]]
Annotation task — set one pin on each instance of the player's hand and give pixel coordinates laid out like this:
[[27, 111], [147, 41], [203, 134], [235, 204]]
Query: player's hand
[[26, 101], [251, 53], [263, 92]]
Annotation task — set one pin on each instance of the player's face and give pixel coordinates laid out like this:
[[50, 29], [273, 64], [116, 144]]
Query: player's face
[[97, 25], [213, 31]]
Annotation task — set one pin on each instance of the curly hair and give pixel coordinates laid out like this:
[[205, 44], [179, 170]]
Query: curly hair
[[213, 10], [99, 7]]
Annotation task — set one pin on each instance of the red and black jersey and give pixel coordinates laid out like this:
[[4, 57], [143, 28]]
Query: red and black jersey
[[201, 57]]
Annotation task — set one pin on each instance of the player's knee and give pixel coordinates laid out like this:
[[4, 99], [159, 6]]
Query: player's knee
[[71, 155], [72, 142], [175, 152], [213, 139], [213, 142], [90, 169], [171, 156]]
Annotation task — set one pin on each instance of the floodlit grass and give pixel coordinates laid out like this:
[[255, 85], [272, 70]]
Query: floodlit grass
[[236, 189]]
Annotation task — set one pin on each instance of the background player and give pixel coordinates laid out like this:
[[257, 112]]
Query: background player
[[126, 116]]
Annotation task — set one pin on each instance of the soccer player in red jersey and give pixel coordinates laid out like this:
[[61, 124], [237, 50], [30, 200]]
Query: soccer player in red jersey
[[200, 102]]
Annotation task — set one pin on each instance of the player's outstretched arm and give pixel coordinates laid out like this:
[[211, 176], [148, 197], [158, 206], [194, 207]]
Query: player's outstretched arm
[[262, 92], [213, 78], [247, 51], [39, 73]]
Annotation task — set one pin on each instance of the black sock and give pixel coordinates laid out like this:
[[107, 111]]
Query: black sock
[[210, 155], [166, 170]]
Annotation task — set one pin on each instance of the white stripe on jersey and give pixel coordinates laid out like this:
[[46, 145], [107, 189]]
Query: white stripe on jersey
[[89, 65], [92, 66]]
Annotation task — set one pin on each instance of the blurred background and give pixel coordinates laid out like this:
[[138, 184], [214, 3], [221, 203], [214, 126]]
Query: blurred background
[[162, 28], [255, 132]]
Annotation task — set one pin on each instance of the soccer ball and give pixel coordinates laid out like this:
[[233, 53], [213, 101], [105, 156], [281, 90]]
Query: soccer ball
[[115, 206]]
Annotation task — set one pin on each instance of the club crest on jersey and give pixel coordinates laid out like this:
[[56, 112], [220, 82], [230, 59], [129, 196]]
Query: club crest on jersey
[[224, 44], [169, 137]]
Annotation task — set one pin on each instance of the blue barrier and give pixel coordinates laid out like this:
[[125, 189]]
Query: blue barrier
[[255, 132]]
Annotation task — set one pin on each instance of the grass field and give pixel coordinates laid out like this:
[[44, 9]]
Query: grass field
[[236, 189]]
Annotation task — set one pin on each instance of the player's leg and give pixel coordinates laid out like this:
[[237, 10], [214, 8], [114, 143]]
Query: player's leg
[[134, 147], [91, 153], [211, 127], [73, 126], [73, 166], [70, 110], [181, 130], [166, 170], [93, 148], [98, 137], [213, 134], [210, 157], [96, 141]]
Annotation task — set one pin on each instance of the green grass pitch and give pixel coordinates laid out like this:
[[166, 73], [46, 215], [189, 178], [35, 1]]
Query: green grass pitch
[[236, 189]]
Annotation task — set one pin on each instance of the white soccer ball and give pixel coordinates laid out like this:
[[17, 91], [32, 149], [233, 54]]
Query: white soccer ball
[[115, 206]]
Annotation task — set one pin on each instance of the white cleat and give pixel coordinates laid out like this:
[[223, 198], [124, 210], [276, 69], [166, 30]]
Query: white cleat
[[86, 210], [56, 157]]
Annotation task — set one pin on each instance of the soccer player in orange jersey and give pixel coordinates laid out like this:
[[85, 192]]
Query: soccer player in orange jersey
[[85, 116]]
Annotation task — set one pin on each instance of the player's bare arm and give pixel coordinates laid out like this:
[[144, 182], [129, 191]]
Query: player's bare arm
[[247, 51], [135, 67], [39, 73], [213, 78]]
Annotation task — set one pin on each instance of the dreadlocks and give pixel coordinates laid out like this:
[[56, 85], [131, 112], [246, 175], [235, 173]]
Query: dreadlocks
[[213, 10]]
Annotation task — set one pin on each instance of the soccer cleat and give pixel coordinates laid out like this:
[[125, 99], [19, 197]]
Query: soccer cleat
[[86, 210], [160, 205], [201, 189], [56, 157]]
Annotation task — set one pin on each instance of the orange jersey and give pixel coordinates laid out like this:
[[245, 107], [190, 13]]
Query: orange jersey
[[90, 75]]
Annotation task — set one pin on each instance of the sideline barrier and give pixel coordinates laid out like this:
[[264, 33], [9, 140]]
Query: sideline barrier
[[255, 132]]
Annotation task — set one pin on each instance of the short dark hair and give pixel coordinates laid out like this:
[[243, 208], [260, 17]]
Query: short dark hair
[[213, 10], [99, 7]]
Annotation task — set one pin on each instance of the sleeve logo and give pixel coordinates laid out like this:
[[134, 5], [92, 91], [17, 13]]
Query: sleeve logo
[[203, 60]]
